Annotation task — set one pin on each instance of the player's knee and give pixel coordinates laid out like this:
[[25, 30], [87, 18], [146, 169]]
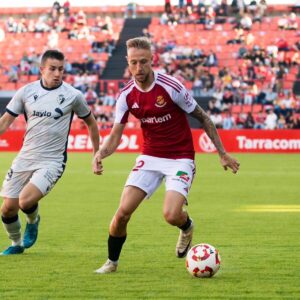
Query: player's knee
[[9, 209], [26, 203], [171, 217], [122, 217]]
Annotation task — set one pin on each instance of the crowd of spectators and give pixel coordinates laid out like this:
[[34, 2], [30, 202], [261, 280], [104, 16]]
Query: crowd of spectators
[[256, 80]]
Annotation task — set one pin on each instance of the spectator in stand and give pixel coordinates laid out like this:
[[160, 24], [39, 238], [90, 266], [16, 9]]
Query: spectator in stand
[[81, 18], [270, 97], [262, 8], [210, 18], [130, 10], [227, 98], [216, 117], [281, 123], [90, 96], [280, 74], [249, 121], [271, 120], [53, 39], [246, 22], [168, 8], [109, 98], [222, 12], [68, 67], [239, 37], [214, 105], [240, 120], [282, 22], [11, 25], [293, 121], [13, 74], [259, 121], [292, 23], [211, 59], [228, 120], [67, 8]]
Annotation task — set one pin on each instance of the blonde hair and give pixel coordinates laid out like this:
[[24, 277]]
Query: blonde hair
[[139, 43]]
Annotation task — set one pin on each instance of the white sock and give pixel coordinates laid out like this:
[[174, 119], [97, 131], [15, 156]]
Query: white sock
[[32, 218], [13, 231]]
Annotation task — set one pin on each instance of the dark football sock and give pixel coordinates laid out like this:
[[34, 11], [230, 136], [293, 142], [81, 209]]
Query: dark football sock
[[115, 246], [186, 225]]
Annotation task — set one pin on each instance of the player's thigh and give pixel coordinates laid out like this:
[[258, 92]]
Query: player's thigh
[[180, 177], [146, 180], [30, 194], [173, 203], [14, 182], [131, 198], [10, 207], [43, 180]]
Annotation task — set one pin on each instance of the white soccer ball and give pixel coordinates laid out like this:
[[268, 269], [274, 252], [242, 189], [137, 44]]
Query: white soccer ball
[[203, 260]]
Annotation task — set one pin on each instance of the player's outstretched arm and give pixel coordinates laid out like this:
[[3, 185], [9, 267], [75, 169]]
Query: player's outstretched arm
[[93, 132], [94, 136], [109, 147], [226, 160], [112, 142], [5, 121]]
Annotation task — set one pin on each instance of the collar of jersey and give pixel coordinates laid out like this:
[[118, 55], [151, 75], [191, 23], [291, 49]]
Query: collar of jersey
[[49, 89], [150, 87]]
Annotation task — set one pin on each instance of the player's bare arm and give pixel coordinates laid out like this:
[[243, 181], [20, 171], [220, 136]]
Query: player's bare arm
[[94, 136], [226, 160], [93, 132], [5, 121], [113, 141], [109, 146]]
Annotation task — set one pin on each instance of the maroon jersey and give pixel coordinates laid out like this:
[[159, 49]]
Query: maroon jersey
[[161, 111]]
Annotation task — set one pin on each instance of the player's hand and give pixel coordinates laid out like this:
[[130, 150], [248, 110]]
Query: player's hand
[[97, 164], [229, 162]]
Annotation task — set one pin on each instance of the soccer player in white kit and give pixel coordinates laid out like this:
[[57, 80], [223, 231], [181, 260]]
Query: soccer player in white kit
[[48, 105], [160, 102]]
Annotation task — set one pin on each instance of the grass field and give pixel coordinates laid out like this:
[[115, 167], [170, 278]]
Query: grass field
[[253, 218]]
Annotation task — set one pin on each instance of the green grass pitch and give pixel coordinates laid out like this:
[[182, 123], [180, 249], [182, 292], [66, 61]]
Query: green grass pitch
[[253, 218]]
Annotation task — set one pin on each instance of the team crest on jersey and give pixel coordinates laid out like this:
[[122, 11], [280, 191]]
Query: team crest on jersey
[[60, 99], [160, 101]]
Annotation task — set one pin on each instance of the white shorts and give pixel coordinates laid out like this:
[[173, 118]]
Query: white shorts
[[149, 172], [44, 179]]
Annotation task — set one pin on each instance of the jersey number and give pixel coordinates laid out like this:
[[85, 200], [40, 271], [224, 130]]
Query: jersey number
[[139, 165]]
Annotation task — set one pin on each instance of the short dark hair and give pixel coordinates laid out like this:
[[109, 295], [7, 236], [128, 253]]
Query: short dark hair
[[54, 54]]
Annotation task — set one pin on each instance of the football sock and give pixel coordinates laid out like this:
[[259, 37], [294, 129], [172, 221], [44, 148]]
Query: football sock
[[12, 226], [186, 225], [31, 214], [114, 247]]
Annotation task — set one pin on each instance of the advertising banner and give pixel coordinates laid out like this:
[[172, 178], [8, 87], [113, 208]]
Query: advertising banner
[[254, 141]]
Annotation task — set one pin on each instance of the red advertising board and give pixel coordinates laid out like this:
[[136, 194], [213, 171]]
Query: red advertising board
[[255, 141]]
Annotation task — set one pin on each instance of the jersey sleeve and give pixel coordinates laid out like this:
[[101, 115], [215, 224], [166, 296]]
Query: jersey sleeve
[[81, 107], [15, 106], [122, 110], [185, 100]]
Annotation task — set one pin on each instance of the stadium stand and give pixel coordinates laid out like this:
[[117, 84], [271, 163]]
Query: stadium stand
[[245, 63]]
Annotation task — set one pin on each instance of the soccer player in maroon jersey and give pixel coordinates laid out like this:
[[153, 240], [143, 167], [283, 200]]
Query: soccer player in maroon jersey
[[160, 102]]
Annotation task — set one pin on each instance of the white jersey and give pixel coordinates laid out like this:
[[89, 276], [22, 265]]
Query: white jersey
[[48, 113]]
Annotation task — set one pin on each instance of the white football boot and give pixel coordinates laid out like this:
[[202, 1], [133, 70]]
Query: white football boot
[[184, 242], [108, 267]]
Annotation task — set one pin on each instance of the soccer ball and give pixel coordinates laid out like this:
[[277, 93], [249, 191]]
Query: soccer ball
[[203, 260]]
